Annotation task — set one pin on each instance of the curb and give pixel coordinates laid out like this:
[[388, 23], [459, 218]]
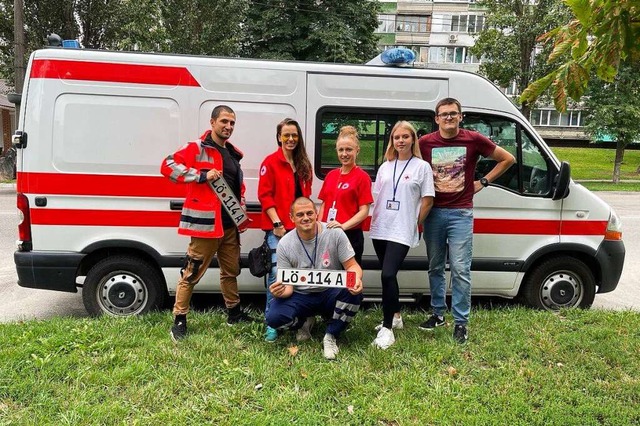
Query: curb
[[8, 186]]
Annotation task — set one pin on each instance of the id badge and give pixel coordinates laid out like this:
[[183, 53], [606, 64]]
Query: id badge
[[393, 205], [333, 213]]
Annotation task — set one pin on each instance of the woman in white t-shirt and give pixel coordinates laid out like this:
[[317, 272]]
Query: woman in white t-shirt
[[403, 194]]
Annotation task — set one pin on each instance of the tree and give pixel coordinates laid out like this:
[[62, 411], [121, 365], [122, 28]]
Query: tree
[[311, 30], [603, 35], [97, 24], [614, 110], [202, 27], [508, 43]]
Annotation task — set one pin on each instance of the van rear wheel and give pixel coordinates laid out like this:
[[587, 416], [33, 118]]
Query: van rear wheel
[[560, 282], [122, 286]]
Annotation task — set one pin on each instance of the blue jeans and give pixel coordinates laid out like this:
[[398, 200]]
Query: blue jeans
[[450, 229], [270, 278]]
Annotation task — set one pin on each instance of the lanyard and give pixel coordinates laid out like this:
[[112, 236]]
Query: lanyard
[[315, 249], [394, 182]]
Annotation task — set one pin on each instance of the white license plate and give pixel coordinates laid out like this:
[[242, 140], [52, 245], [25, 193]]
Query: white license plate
[[317, 277], [229, 200]]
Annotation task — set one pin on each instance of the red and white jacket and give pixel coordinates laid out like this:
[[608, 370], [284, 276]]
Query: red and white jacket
[[202, 210], [276, 188]]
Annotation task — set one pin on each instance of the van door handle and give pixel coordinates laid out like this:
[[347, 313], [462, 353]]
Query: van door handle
[[176, 204]]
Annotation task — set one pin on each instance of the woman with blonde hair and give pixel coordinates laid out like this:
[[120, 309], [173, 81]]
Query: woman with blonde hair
[[346, 192], [404, 194]]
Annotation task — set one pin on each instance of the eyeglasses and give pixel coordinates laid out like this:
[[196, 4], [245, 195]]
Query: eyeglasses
[[285, 137], [452, 114]]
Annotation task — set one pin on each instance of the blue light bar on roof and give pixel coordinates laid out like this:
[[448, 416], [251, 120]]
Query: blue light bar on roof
[[70, 44], [398, 55]]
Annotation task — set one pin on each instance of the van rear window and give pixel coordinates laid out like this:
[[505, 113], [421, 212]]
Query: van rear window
[[374, 128]]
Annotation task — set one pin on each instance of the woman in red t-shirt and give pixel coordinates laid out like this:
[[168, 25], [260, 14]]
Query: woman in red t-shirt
[[346, 192], [285, 175]]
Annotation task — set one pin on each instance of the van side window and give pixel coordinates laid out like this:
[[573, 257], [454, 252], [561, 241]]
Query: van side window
[[530, 174], [374, 128]]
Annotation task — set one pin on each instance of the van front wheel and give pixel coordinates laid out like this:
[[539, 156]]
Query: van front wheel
[[122, 286], [560, 282]]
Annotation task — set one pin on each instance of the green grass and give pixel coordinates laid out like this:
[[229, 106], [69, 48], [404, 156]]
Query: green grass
[[519, 367], [597, 163]]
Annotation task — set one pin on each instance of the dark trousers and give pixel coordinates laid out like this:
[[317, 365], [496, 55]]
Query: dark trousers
[[390, 255], [335, 303]]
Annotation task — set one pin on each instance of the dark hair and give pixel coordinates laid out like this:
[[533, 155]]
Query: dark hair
[[448, 101], [300, 159], [220, 108]]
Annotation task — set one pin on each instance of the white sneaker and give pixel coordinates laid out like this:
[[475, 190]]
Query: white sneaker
[[396, 324], [384, 339], [330, 346], [304, 332]]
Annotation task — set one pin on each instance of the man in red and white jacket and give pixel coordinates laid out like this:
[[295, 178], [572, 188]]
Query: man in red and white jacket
[[212, 230]]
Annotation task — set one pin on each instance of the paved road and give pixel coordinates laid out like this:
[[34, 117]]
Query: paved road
[[18, 303]]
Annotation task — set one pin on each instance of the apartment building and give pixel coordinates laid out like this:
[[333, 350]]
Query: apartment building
[[441, 33]]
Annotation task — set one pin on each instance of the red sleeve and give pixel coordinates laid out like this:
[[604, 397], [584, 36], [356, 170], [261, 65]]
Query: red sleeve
[[266, 185], [323, 191], [178, 166], [364, 190]]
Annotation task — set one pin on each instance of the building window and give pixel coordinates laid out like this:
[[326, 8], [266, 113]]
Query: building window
[[511, 90], [412, 24], [451, 55], [550, 117], [386, 24], [458, 23]]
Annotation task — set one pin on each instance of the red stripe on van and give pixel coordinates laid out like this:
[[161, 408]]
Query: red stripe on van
[[538, 227], [99, 185], [74, 217], [115, 73]]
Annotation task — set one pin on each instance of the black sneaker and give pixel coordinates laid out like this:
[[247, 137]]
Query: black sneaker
[[236, 315], [460, 334], [179, 330], [433, 322]]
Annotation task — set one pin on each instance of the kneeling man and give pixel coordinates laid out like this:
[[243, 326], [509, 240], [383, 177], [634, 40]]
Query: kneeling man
[[312, 245]]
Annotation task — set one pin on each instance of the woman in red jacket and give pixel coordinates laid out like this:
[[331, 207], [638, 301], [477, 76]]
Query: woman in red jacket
[[346, 192], [284, 176]]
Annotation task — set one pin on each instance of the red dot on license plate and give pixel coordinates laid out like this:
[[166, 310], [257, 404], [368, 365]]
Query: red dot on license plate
[[303, 279]]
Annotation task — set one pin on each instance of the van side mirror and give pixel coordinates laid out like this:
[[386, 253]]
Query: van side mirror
[[561, 181]]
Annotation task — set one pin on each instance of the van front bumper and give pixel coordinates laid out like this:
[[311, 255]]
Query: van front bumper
[[610, 257], [48, 271]]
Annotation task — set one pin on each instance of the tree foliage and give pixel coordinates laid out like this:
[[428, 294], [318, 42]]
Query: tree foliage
[[613, 109], [603, 35], [508, 43], [319, 30], [202, 27], [312, 30]]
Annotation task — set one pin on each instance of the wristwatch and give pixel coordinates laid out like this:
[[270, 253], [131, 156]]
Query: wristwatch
[[484, 182], [277, 225]]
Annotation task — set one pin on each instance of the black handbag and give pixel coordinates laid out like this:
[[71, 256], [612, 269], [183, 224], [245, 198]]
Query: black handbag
[[260, 260]]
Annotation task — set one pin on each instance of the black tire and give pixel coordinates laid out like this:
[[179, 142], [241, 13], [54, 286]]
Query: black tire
[[123, 286], [560, 282]]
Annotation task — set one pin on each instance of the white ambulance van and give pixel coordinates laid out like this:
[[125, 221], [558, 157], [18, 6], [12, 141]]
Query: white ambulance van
[[96, 213]]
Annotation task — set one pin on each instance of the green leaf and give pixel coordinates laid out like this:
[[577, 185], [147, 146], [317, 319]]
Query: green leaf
[[560, 93], [535, 89]]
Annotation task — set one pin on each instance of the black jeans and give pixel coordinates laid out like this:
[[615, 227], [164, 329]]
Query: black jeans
[[390, 255]]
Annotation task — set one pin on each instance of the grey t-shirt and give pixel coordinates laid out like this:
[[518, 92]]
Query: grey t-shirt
[[333, 249]]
